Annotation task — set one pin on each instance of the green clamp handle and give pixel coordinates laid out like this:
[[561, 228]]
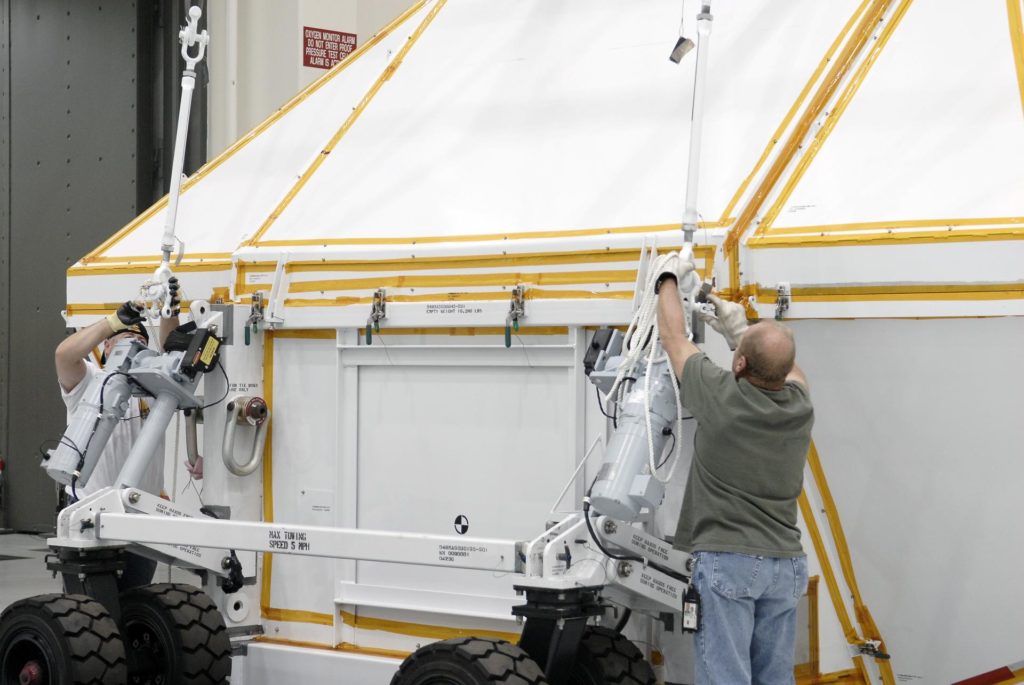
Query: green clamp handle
[[515, 324], [508, 334], [247, 338], [369, 333]]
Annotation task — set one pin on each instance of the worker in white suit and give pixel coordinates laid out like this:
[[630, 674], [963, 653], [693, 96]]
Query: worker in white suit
[[75, 370], [739, 512]]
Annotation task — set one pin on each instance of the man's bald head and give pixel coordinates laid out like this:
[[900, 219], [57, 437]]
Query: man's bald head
[[769, 353]]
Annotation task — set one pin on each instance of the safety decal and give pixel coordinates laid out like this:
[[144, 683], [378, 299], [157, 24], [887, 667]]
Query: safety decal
[[461, 524]]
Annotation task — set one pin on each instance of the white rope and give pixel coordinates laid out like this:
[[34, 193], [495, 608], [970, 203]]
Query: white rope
[[642, 337]]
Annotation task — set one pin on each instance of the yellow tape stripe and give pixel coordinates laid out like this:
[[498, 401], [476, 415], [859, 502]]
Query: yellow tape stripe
[[306, 334], [1013, 13], [890, 238], [128, 269], [467, 261], [421, 629], [965, 291], [826, 569], [523, 330], [357, 111], [884, 225], [296, 616], [829, 85], [481, 237], [793, 110], [268, 469], [864, 618], [340, 647], [207, 168], [154, 260], [531, 294], [469, 280], [833, 118], [851, 676]]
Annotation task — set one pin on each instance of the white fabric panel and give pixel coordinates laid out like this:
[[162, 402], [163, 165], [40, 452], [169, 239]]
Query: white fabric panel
[[534, 115], [922, 452], [934, 132], [304, 411], [232, 202]]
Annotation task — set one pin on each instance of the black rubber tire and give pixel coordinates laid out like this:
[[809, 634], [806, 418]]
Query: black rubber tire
[[71, 638], [174, 635], [606, 656], [469, 661]]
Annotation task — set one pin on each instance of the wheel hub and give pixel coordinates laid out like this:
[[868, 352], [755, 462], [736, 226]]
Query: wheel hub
[[31, 674]]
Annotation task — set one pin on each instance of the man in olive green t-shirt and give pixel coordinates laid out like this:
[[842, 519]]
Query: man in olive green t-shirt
[[739, 513]]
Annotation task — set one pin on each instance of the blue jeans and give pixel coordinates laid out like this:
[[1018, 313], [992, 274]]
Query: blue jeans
[[748, 617]]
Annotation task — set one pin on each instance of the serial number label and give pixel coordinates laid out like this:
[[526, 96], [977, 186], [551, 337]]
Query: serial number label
[[453, 308], [658, 586], [653, 549], [288, 541], [451, 553]]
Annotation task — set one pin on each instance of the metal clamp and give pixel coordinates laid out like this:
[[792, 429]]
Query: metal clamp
[[783, 295], [378, 311], [516, 311], [255, 316], [870, 648]]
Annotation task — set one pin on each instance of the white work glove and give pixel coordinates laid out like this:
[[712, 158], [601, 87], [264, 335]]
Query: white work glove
[[730, 319], [674, 267]]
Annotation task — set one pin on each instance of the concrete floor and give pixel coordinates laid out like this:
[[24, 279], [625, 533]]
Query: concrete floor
[[23, 569]]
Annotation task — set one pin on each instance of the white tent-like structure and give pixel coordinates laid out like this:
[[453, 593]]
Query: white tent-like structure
[[860, 157]]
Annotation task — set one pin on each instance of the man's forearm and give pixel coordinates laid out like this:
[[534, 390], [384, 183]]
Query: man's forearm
[[70, 355], [671, 327], [167, 326]]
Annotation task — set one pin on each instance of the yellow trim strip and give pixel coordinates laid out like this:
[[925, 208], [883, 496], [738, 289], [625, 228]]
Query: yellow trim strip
[[297, 616], [127, 269], [531, 294], [357, 111], [306, 334], [884, 225], [1013, 15], [480, 261], [154, 260], [468, 280], [457, 332], [826, 569], [268, 470], [421, 629], [828, 87], [864, 618], [793, 109], [852, 676], [207, 168], [340, 647], [837, 112], [888, 238], [889, 293], [481, 237]]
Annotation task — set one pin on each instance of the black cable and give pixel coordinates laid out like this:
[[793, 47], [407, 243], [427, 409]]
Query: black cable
[[597, 540], [669, 452], [599, 405], [227, 387]]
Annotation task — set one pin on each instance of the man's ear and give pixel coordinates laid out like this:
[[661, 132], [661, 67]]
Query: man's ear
[[739, 364]]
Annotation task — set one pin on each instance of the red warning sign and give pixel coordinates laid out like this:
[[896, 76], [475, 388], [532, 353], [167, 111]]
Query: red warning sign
[[323, 49]]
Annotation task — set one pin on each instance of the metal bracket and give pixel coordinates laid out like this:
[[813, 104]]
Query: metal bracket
[[255, 316], [783, 295], [378, 311], [516, 311], [869, 648]]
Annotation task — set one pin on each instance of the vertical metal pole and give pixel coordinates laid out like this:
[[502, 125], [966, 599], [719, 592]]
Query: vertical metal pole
[[690, 216]]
